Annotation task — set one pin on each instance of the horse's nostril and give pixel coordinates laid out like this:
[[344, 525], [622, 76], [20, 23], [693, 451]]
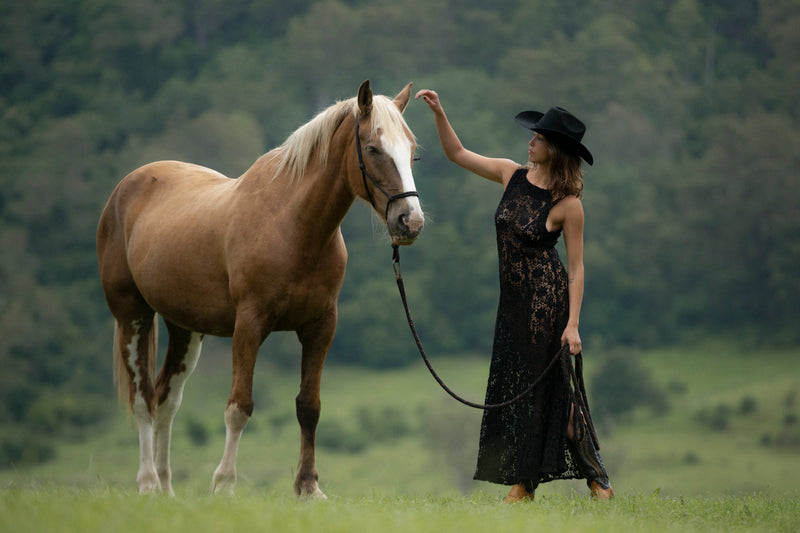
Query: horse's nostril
[[402, 220]]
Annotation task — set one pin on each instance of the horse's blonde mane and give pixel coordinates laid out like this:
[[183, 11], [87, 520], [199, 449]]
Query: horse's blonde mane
[[314, 137]]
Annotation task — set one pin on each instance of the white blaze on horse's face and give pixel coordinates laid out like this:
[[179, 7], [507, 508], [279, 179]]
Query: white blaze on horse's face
[[405, 225]]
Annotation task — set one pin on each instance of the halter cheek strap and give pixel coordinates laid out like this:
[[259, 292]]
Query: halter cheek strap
[[365, 175]]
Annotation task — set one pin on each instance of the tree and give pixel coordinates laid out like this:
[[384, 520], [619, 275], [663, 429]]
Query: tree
[[691, 113]]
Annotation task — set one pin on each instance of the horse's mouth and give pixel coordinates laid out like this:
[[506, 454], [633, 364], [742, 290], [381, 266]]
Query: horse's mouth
[[403, 241]]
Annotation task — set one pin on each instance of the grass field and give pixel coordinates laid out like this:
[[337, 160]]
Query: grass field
[[122, 511], [396, 454]]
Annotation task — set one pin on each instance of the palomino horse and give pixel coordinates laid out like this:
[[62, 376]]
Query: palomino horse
[[242, 258]]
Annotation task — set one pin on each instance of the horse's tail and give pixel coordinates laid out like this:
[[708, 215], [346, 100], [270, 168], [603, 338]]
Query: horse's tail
[[125, 391]]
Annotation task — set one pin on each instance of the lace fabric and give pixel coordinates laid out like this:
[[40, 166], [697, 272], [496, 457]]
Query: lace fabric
[[526, 441]]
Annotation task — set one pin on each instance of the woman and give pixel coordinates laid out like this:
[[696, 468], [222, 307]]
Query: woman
[[534, 440]]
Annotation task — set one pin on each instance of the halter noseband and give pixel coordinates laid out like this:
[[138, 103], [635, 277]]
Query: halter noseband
[[365, 175]]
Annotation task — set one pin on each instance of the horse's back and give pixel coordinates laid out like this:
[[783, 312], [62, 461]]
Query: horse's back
[[159, 194], [165, 182]]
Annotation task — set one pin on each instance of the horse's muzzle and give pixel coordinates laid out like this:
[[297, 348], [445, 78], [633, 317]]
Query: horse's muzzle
[[405, 221]]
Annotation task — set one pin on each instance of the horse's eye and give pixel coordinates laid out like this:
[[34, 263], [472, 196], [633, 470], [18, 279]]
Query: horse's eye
[[373, 150]]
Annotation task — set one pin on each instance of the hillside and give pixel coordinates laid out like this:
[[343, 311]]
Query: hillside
[[691, 211], [729, 427]]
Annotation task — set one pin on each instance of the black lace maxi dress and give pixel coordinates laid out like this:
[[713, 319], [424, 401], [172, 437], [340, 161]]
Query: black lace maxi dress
[[526, 441]]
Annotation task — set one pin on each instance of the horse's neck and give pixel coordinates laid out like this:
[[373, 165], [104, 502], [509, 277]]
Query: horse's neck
[[315, 203]]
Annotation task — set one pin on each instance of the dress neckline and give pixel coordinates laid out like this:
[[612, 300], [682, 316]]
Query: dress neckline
[[523, 172]]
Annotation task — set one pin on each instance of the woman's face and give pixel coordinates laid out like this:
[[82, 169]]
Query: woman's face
[[538, 149]]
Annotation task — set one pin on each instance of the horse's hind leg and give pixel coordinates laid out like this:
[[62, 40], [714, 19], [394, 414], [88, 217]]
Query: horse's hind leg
[[135, 344], [179, 363], [316, 339]]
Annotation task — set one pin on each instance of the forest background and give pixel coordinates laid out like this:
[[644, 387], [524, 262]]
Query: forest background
[[692, 226]]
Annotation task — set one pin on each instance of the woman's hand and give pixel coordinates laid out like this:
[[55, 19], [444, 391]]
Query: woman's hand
[[431, 98], [571, 337]]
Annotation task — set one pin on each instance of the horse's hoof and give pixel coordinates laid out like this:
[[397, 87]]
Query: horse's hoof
[[223, 483], [225, 489], [312, 496], [148, 483]]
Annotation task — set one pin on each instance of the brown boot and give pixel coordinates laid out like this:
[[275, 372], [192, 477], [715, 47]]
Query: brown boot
[[519, 493]]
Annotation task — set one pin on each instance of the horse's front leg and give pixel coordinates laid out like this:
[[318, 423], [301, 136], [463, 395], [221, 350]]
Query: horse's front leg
[[316, 339], [247, 337]]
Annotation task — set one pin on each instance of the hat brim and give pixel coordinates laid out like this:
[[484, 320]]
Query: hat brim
[[529, 120]]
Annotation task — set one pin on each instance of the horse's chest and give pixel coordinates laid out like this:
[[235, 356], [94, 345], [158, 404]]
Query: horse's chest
[[291, 294]]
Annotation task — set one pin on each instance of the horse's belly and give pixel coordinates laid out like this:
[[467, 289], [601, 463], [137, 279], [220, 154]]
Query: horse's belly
[[203, 315], [182, 281], [191, 302]]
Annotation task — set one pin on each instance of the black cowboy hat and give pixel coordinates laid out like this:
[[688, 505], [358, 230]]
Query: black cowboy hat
[[560, 127]]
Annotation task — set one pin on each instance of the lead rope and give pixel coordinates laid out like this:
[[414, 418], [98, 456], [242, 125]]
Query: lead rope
[[563, 355]]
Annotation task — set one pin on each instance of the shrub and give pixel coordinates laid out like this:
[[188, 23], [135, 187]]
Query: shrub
[[622, 384], [691, 458], [717, 418], [25, 449], [197, 431], [382, 424], [677, 387], [748, 405], [335, 435]]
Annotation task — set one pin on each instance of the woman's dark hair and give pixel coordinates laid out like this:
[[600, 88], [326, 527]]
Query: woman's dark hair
[[567, 172]]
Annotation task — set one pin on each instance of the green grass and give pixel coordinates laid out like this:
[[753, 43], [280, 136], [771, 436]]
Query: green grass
[[400, 453], [60, 509]]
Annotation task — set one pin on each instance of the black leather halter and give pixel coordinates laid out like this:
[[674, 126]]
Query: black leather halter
[[365, 175]]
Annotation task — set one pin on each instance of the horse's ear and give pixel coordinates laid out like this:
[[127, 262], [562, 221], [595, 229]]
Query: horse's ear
[[365, 98], [401, 100]]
